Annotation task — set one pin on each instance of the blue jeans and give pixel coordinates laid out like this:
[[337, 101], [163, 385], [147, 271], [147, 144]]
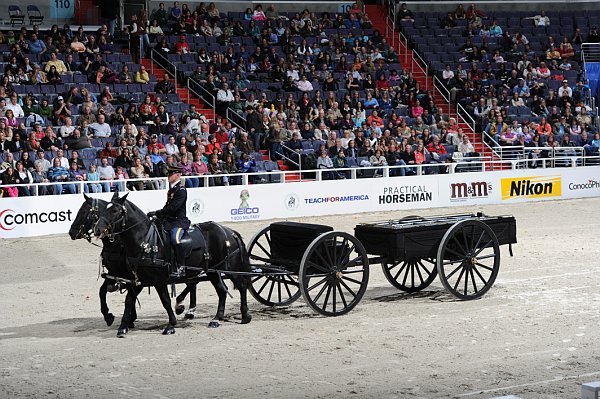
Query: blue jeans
[[398, 171], [191, 182], [275, 149], [94, 188]]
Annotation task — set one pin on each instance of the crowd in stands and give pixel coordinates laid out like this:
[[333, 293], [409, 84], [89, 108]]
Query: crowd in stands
[[75, 108], [524, 90]]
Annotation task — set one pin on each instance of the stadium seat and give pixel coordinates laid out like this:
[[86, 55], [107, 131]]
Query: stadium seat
[[35, 15], [16, 15]]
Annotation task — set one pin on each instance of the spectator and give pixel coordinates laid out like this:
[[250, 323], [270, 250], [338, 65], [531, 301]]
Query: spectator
[[60, 174], [182, 47], [106, 172], [55, 62], [164, 86], [141, 76], [224, 99], [404, 14], [77, 142], [541, 19], [36, 45], [100, 129]]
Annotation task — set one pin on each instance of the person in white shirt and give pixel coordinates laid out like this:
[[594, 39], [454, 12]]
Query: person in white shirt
[[293, 73], [64, 162], [14, 105], [171, 147], [67, 129], [224, 98], [541, 19], [106, 172], [101, 129], [565, 88], [304, 85]]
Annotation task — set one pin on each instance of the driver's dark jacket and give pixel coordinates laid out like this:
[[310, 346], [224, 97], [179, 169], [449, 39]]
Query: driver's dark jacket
[[174, 211]]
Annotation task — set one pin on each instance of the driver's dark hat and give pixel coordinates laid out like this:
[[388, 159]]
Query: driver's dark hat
[[172, 169]]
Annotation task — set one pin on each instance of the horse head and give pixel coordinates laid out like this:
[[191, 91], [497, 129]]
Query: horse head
[[113, 220], [86, 217]]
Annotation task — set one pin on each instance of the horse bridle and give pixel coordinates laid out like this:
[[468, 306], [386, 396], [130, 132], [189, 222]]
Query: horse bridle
[[109, 230], [93, 213]]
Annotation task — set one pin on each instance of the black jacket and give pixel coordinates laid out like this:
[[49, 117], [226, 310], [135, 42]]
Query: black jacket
[[174, 211]]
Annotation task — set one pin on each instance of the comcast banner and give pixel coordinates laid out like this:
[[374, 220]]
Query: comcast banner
[[37, 216]]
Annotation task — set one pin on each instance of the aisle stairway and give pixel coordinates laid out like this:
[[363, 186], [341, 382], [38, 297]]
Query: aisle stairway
[[377, 15], [183, 92]]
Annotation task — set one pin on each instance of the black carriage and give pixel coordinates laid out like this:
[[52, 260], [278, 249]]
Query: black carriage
[[330, 269]]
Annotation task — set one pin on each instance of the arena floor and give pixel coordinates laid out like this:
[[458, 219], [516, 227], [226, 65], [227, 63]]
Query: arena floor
[[534, 335]]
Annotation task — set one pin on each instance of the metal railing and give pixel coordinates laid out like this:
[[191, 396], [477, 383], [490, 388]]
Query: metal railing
[[290, 160], [390, 22], [590, 52], [236, 118], [554, 158], [422, 65], [164, 63], [206, 96], [463, 114], [440, 88]]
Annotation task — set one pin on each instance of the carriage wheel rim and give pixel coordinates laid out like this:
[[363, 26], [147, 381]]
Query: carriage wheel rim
[[342, 276], [464, 257], [270, 290]]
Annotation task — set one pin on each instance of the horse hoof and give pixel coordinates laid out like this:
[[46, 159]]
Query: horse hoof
[[122, 332], [247, 319], [214, 324], [109, 319], [111, 288], [131, 325], [179, 309], [188, 316], [169, 330]]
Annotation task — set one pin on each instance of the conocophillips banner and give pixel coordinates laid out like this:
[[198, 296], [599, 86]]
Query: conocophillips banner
[[36, 216]]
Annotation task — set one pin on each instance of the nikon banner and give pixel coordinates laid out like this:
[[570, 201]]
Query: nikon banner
[[37, 216]]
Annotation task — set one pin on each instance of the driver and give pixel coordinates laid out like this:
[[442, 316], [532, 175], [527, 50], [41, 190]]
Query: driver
[[174, 218]]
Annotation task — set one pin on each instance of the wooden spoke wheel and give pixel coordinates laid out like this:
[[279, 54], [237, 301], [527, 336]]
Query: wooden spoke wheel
[[334, 273], [468, 259], [410, 275], [270, 290]]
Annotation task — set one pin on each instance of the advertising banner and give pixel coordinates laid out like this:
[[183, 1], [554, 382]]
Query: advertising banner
[[37, 216]]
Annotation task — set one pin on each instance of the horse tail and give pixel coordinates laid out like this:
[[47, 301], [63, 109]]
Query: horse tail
[[243, 281]]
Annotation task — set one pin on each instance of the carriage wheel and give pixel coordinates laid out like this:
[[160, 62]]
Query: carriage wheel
[[410, 275], [468, 259], [279, 290], [334, 273]]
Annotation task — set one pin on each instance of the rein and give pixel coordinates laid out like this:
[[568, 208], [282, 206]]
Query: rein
[[123, 219]]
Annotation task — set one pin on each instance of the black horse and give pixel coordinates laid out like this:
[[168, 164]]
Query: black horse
[[112, 255], [113, 259], [224, 246]]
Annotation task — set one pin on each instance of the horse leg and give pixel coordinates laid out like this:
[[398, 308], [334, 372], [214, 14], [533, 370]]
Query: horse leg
[[179, 306], [134, 310], [109, 318], [241, 283], [128, 312], [189, 315], [217, 282], [163, 294]]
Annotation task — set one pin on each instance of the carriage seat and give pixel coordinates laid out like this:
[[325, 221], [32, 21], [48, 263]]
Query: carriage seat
[[192, 240]]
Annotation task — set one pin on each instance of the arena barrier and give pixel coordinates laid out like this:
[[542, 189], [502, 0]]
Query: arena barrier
[[38, 216]]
